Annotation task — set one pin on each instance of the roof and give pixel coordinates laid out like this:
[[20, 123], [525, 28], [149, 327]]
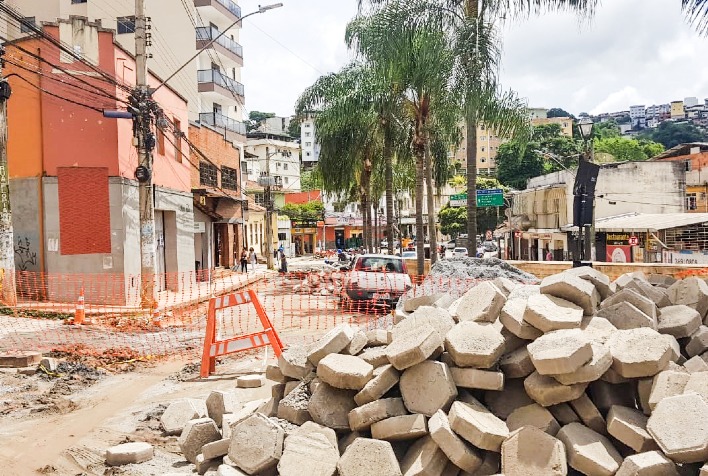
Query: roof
[[303, 197], [681, 149], [649, 222]]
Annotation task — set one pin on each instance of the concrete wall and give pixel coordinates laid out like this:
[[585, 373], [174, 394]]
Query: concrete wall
[[179, 235], [24, 197], [613, 270]]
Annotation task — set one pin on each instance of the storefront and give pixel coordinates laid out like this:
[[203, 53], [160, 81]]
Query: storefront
[[304, 236]]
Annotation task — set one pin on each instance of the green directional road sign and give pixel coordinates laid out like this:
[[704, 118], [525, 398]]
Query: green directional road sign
[[458, 200], [491, 197]]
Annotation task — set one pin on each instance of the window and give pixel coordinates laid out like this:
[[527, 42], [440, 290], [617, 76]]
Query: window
[[691, 201], [308, 144], [77, 1], [27, 24], [688, 165], [308, 134], [308, 154], [258, 197], [307, 125], [483, 138], [282, 236], [207, 174], [229, 178], [126, 25], [285, 166], [482, 148], [178, 140], [483, 160], [160, 142]]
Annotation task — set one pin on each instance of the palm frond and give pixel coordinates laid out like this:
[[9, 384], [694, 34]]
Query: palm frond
[[697, 14]]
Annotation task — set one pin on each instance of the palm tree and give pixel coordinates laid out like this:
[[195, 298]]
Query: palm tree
[[414, 58], [697, 13]]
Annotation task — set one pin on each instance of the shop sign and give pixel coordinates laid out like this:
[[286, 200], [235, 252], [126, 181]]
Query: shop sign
[[617, 239], [619, 254], [304, 231], [633, 240], [685, 257]]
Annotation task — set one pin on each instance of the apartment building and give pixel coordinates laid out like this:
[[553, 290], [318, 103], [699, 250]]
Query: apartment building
[[210, 83], [677, 110], [308, 141], [638, 115], [280, 153]]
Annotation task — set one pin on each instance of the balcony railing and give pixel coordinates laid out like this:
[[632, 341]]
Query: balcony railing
[[217, 77], [227, 4], [205, 33], [222, 122]]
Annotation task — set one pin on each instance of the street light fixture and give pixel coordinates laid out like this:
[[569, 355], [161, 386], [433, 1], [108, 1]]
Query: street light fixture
[[585, 126]]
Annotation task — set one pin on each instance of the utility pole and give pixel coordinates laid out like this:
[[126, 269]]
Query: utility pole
[[144, 141], [7, 250], [269, 214]]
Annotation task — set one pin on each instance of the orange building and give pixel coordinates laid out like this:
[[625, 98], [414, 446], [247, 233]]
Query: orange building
[[73, 191], [695, 158]]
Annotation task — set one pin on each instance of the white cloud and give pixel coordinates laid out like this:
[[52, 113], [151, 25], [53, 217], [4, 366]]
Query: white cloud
[[633, 51]]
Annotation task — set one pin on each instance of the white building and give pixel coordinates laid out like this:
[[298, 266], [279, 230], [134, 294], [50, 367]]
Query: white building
[[281, 152], [657, 111], [210, 83], [308, 141], [690, 101], [275, 125], [538, 113], [638, 116]]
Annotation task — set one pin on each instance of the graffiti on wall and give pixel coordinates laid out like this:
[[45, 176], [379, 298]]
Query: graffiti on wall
[[25, 258]]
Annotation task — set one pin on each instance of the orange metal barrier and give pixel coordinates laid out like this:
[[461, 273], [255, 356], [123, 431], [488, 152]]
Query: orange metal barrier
[[214, 348]]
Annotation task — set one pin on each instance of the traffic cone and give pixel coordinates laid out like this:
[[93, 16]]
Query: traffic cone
[[80, 313]]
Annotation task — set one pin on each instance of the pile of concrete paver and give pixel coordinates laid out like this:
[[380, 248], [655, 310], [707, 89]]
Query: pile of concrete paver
[[579, 375]]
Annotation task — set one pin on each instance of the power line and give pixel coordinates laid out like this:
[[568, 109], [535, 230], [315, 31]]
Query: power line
[[53, 94]]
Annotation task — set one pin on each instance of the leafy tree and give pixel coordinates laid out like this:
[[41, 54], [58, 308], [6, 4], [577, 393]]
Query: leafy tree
[[453, 220], [516, 163], [605, 129], [256, 118], [310, 180], [294, 128], [310, 211], [627, 149], [697, 12], [558, 112], [670, 134]]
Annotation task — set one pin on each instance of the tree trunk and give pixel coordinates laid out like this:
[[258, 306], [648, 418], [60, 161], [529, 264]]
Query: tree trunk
[[432, 219], [375, 240], [365, 206], [388, 157], [364, 217], [419, 193], [471, 146]]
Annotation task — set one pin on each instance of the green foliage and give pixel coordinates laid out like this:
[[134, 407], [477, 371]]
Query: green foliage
[[517, 163], [453, 220], [627, 149], [558, 112], [255, 118], [294, 128], [670, 134], [310, 211], [310, 180], [603, 130]]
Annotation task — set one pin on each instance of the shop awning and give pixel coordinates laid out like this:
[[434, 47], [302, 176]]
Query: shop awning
[[649, 222]]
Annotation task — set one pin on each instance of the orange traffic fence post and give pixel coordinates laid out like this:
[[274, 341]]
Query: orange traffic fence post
[[80, 312], [241, 343]]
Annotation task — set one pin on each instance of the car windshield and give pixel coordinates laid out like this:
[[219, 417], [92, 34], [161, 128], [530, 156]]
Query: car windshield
[[380, 264]]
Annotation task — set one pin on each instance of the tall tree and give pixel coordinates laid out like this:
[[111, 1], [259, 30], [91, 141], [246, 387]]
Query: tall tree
[[670, 134], [697, 13]]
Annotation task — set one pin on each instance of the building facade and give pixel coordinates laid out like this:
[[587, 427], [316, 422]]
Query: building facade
[[282, 155], [308, 142], [72, 170], [677, 110]]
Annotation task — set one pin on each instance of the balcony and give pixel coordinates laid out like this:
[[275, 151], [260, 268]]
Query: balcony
[[223, 45], [223, 7], [219, 121], [214, 81]]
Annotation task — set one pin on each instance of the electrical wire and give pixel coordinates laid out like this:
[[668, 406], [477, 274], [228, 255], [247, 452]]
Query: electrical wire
[[53, 94]]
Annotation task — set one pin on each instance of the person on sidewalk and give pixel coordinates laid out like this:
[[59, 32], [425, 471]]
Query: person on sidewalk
[[283, 264], [244, 260], [252, 258]]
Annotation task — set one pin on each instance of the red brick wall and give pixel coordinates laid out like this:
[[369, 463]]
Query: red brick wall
[[84, 210], [217, 149]]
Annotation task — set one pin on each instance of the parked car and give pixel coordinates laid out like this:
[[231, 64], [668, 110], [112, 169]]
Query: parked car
[[409, 255], [377, 277], [450, 245], [491, 250], [459, 252]]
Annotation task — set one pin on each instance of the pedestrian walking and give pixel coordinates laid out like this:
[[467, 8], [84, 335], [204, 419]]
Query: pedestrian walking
[[252, 258], [283, 263], [549, 255], [244, 260]]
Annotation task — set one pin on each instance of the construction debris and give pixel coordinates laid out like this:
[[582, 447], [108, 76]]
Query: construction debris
[[579, 375]]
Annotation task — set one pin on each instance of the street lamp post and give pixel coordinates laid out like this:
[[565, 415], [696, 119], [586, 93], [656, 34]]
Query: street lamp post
[[586, 230]]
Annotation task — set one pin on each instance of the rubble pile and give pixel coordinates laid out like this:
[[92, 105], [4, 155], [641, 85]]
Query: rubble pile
[[577, 375], [323, 282]]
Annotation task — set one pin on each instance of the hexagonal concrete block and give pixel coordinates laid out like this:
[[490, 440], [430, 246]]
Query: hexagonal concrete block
[[549, 313], [361, 418], [457, 450], [439, 319], [573, 289], [644, 304], [473, 344], [598, 279], [482, 303], [427, 387], [477, 379], [512, 317], [533, 415], [250, 381], [385, 378], [294, 407], [345, 371], [588, 451], [517, 364], [410, 304], [679, 321], [530, 451], [604, 395], [365, 455], [256, 444], [219, 403], [591, 371], [479, 426], [330, 406], [651, 463], [696, 364], [597, 329], [178, 413], [630, 427], [357, 344], [564, 414], [589, 414], [625, 315], [413, 347], [378, 337], [503, 403], [423, 458], [697, 383], [332, 342], [547, 391], [659, 296], [129, 453], [399, 428], [692, 292], [511, 342], [698, 342], [293, 362], [376, 356], [560, 352], [311, 454], [678, 425], [667, 383], [639, 352], [196, 434], [274, 374]]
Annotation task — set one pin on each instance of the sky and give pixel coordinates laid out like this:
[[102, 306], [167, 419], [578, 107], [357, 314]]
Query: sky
[[631, 52]]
